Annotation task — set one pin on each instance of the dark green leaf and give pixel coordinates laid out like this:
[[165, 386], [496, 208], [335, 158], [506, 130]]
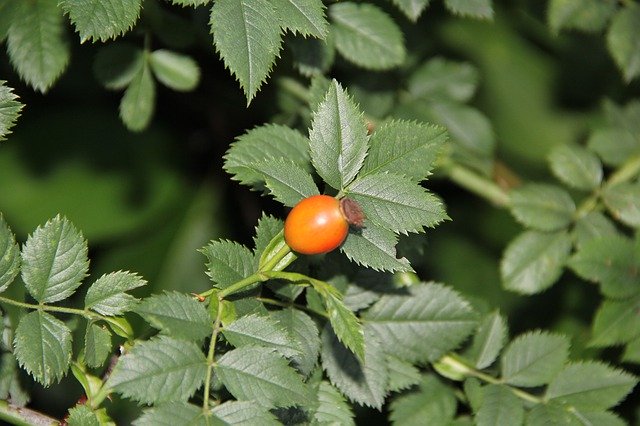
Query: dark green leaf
[[174, 70], [82, 415], [482, 9], [374, 247], [288, 183], [97, 345], [117, 64], [244, 413], [138, 102], [592, 226], [499, 406], [227, 262], [614, 145], [332, 408], [313, 57], [303, 333], [402, 375], [107, 295], [10, 107], [345, 324], [172, 414], [302, 16], [542, 207], [434, 401], [7, 10], [623, 201], [439, 78], [585, 15], [488, 341], [551, 415], [260, 330], [100, 20], [9, 255], [576, 167], [412, 8], [632, 351], [623, 40], [616, 322]]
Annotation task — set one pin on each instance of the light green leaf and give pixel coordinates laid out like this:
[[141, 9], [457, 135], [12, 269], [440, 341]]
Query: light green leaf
[[107, 295], [54, 260], [260, 330], [592, 226], [482, 9], [10, 108], [138, 102], [117, 64], [247, 36], [243, 413], [101, 20], [82, 415], [576, 167], [374, 247], [614, 145], [533, 261], [551, 415], [422, 324], [9, 255], [288, 183], [585, 15], [533, 359], [488, 341], [623, 40], [396, 203], [174, 70], [542, 207], [439, 78], [616, 322], [302, 16], [499, 406], [623, 201], [404, 148], [262, 375], [367, 36], [402, 375], [227, 262], [303, 333], [42, 346], [36, 43], [434, 401], [332, 408], [412, 8], [97, 345], [172, 414], [159, 370], [338, 138], [590, 386], [177, 315]]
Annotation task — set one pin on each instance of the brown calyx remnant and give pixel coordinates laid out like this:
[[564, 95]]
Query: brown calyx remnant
[[352, 212]]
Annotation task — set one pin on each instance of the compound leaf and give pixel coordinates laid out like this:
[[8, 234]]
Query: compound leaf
[[576, 167], [542, 207]]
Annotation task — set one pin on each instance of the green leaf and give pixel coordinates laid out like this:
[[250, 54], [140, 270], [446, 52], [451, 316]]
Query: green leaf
[[117, 64], [159, 370], [42, 346], [374, 247], [54, 260], [227, 262], [576, 167], [9, 255], [262, 375], [590, 386], [592, 226], [97, 345], [313, 57], [488, 341], [338, 138], [402, 375], [422, 324], [623, 201], [101, 20], [542, 207], [551, 415], [174, 70], [261, 143], [533, 261], [610, 261], [412, 8], [260, 330], [7, 10], [604, 418], [439, 78], [482, 9], [302, 16], [138, 102], [177, 315], [623, 41], [404, 148], [534, 358], [36, 43], [361, 382], [585, 15], [332, 408], [10, 382], [499, 406], [107, 295], [243, 413], [434, 401], [82, 415], [268, 228], [613, 145], [9, 109], [396, 203], [632, 351], [172, 414], [616, 322], [345, 324], [367, 36], [288, 183], [303, 333], [247, 36]]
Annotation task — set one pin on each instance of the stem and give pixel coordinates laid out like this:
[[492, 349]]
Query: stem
[[50, 308], [21, 416], [210, 357], [281, 254], [626, 172], [477, 184], [246, 282]]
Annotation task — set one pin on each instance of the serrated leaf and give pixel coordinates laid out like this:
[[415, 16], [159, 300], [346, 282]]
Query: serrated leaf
[[42, 346], [632, 351], [117, 64], [227, 262], [262, 375], [488, 341], [623, 41], [404, 148], [244, 413], [412, 8], [551, 415], [374, 247], [82, 415], [361, 382], [97, 345], [7, 9], [345, 324], [473, 390], [590, 386], [591, 226], [54, 260], [302, 16], [174, 70], [194, 3], [9, 255], [585, 15], [434, 401], [533, 261], [604, 418], [482, 9], [260, 330], [177, 315], [303, 333], [332, 407], [247, 36], [613, 145], [576, 167], [423, 323], [36, 43], [439, 78], [533, 359], [101, 20], [138, 102], [268, 227], [10, 108], [616, 322], [367, 36], [499, 406], [288, 182], [610, 261], [623, 201], [107, 294], [338, 138], [396, 203], [172, 414], [159, 370], [542, 207], [402, 374]]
